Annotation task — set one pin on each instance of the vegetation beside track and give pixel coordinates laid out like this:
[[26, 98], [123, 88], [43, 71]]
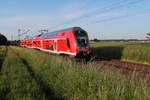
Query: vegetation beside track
[[32, 74], [3, 51], [3, 40], [130, 51], [16, 83]]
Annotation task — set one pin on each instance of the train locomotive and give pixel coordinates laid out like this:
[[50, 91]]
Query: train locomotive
[[71, 41]]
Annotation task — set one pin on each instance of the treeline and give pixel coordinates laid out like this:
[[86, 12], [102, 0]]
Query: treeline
[[14, 42], [98, 40], [3, 40]]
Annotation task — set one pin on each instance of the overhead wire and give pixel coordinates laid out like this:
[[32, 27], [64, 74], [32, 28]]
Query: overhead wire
[[144, 12], [67, 22], [106, 9], [112, 7]]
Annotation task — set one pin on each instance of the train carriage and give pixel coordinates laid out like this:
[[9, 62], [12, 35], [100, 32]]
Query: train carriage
[[72, 41]]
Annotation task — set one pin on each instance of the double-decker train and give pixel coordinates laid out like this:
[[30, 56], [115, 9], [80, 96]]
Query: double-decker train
[[71, 41]]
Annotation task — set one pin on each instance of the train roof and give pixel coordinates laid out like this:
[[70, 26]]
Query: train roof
[[67, 29], [51, 34]]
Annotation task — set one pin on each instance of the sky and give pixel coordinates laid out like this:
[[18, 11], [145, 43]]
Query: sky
[[102, 19]]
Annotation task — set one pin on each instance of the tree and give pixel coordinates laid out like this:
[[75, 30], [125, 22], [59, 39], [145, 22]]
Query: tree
[[95, 39], [3, 39], [148, 37]]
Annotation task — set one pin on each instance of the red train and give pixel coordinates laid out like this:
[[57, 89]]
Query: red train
[[72, 41]]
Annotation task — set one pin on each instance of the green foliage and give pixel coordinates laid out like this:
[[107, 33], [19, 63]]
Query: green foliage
[[148, 37], [132, 51], [2, 53], [16, 82], [81, 82], [3, 39], [32, 75], [148, 33]]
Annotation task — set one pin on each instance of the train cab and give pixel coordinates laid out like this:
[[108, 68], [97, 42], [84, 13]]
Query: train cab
[[82, 41]]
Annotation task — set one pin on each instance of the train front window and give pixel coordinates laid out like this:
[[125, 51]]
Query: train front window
[[82, 38]]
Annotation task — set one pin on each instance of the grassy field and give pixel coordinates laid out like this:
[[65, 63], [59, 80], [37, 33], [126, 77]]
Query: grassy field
[[3, 51], [29, 74], [131, 51]]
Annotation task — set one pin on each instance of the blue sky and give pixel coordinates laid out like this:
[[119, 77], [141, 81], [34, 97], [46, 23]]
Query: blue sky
[[103, 19]]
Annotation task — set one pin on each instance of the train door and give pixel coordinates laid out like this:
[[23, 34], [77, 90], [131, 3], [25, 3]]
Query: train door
[[41, 44], [63, 45], [55, 45]]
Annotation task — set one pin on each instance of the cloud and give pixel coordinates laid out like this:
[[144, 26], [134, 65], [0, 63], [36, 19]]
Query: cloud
[[12, 24], [69, 13], [74, 9]]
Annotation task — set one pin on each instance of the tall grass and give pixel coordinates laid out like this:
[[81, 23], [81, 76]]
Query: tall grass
[[3, 85], [137, 52], [132, 51], [2, 54], [16, 82], [83, 82]]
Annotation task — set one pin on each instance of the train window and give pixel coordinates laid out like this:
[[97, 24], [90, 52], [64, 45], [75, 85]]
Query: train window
[[34, 42], [49, 46], [49, 35], [68, 44], [82, 38]]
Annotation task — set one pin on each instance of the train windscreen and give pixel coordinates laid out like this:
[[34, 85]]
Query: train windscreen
[[81, 38]]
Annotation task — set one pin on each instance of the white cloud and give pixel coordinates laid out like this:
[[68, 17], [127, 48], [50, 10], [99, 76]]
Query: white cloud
[[12, 24], [67, 12], [72, 13]]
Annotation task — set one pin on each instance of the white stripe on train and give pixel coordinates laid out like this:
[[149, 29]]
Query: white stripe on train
[[55, 51]]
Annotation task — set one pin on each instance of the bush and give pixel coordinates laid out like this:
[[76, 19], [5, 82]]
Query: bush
[[3, 40]]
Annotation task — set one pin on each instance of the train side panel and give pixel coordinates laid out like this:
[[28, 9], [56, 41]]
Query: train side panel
[[66, 43], [63, 45], [48, 44]]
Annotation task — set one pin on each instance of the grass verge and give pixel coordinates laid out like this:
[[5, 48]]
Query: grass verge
[[16, 82], [130, 51], [83, 82]]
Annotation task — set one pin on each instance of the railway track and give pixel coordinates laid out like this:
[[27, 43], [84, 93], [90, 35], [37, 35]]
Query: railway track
[[124, 65]]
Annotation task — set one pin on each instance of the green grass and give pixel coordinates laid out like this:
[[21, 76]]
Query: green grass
[[3, 86], [131, 51], [2, 54], [29, 74], [67, 80], [16, 82]]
